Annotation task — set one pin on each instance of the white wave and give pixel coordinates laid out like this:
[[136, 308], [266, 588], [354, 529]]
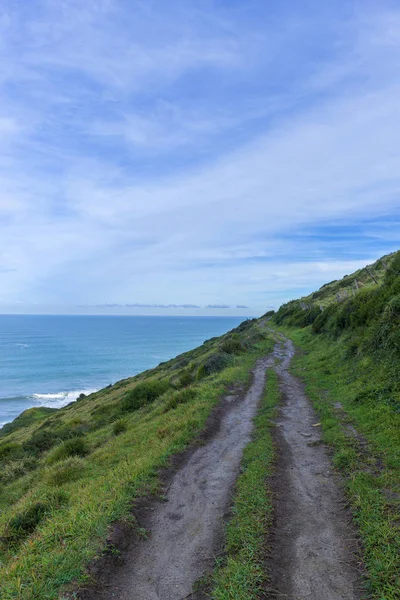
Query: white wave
[[50, 396], [59, 399], [22, 346]]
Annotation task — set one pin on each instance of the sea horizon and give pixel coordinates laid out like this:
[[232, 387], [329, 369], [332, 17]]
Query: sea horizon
[[49, 360]]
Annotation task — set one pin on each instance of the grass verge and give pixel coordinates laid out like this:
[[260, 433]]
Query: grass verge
[[363, 431], [241, 573]]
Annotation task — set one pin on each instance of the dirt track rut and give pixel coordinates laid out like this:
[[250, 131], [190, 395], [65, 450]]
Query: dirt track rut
[[312, 555], [312, 543]]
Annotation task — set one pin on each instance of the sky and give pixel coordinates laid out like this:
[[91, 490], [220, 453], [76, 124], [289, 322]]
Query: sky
[[186, 157]]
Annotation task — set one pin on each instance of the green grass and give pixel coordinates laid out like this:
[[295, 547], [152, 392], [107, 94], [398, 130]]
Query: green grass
[[29, 416], [363, 430], [328, 292], [242, 574], [73, 473]]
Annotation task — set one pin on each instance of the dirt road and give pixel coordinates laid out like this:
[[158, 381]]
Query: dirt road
[[311, 546]]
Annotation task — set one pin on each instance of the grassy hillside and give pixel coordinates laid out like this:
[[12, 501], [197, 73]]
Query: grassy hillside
[[340, 289], [350, 363], [66, 475]]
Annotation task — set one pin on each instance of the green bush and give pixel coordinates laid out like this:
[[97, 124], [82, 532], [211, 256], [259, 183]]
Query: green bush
[[248, 323], [104, 415], [181, 379], [17, 468], [119, 426], [44, 439], [75, 428], [66, 471], [73, 447], [41, 441], [181, 397], [319, 324], [232, 346], [10, 451], [214, 363], [26, 521], [387, 331], [143, 393]]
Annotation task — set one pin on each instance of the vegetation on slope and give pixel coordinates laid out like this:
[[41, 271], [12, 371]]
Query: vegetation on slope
[[67, 476], [350, 364], [365, 279]]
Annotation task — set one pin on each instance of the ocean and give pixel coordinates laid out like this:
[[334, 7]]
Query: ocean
[[50, 360]]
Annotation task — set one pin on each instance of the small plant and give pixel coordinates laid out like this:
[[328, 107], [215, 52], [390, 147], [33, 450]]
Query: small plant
[[21, 525], [232, 346], [25, 522], [119, 426], [142, 533], [345, 458], [41, 441], [181, 397], [143, 393], [73, 447], [65, 472], [17, 468], [213, 364], [185, 379], [10, 451]]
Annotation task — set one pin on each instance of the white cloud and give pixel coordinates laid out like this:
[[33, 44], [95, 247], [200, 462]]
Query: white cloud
[[114, 189]]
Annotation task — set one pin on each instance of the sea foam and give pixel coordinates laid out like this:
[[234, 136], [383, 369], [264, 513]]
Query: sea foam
[[59, 399]]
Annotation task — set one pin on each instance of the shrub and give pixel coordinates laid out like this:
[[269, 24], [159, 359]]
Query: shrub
[[248, 323], [75, 428], [213, 364], [387, 331], [119, 427], [232, 346], [179, 363], [10, 451], [66, 471], [25, 522], [17, 468], [44, 439], [182, 379], [181, 397], [143, 393], [41, 441], [105, 414], [254, 336], [73, 447]]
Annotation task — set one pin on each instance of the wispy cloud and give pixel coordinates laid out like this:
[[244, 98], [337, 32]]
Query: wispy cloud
[[152, 152]]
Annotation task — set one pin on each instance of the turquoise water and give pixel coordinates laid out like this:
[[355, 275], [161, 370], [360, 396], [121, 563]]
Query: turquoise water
[[50, 360]]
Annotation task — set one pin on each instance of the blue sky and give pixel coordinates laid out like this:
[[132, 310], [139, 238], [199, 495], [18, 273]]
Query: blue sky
[[207, 153]]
